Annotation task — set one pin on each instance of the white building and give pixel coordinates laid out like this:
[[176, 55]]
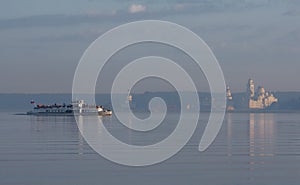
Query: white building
[[259, 100]]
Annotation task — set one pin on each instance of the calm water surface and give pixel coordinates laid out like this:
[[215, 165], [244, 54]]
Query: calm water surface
[[250, 149]]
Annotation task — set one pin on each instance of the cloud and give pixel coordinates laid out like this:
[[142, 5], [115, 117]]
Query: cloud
[[179, 6], [136, 8], [137, 11], [61, 20], [76, 19]]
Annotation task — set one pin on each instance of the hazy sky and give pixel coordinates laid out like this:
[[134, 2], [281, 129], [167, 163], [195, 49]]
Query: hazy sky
[[41, 41]]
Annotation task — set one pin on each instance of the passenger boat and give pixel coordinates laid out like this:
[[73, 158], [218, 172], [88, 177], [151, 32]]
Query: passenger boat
[[75, 108]]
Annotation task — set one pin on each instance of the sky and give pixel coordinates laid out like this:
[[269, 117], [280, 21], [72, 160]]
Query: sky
[[42, 41]]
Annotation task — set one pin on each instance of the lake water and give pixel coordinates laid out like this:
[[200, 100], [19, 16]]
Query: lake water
[[250, 149]]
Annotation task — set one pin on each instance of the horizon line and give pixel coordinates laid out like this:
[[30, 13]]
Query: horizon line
[[11, 93]]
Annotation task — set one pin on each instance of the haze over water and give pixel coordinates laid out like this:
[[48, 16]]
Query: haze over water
[[41, 43], [250, 149]]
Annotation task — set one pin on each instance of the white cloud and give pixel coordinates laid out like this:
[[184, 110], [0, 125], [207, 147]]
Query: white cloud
[[136, 8], [179, 6]]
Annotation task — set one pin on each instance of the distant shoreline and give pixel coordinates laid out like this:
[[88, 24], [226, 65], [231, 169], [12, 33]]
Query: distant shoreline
[[264, 111], [288, 102]]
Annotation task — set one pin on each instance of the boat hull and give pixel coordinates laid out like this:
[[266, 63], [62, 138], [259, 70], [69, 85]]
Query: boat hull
[[105, 113], [69, 114]]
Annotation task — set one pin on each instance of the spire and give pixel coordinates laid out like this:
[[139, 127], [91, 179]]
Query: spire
[[250, 88], [228, 93]]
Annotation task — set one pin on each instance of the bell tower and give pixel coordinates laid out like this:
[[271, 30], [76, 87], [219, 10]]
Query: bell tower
[[250, 89]]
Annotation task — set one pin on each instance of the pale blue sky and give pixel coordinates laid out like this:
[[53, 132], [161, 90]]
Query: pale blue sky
[[41, 41]]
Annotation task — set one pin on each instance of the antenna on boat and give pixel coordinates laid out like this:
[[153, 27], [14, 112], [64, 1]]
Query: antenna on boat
[[32, 102]]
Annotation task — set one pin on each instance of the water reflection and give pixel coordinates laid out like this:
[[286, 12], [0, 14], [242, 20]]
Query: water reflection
[[57, 134], [80, 144], [261, 134], [229, 134], [46, 149]]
